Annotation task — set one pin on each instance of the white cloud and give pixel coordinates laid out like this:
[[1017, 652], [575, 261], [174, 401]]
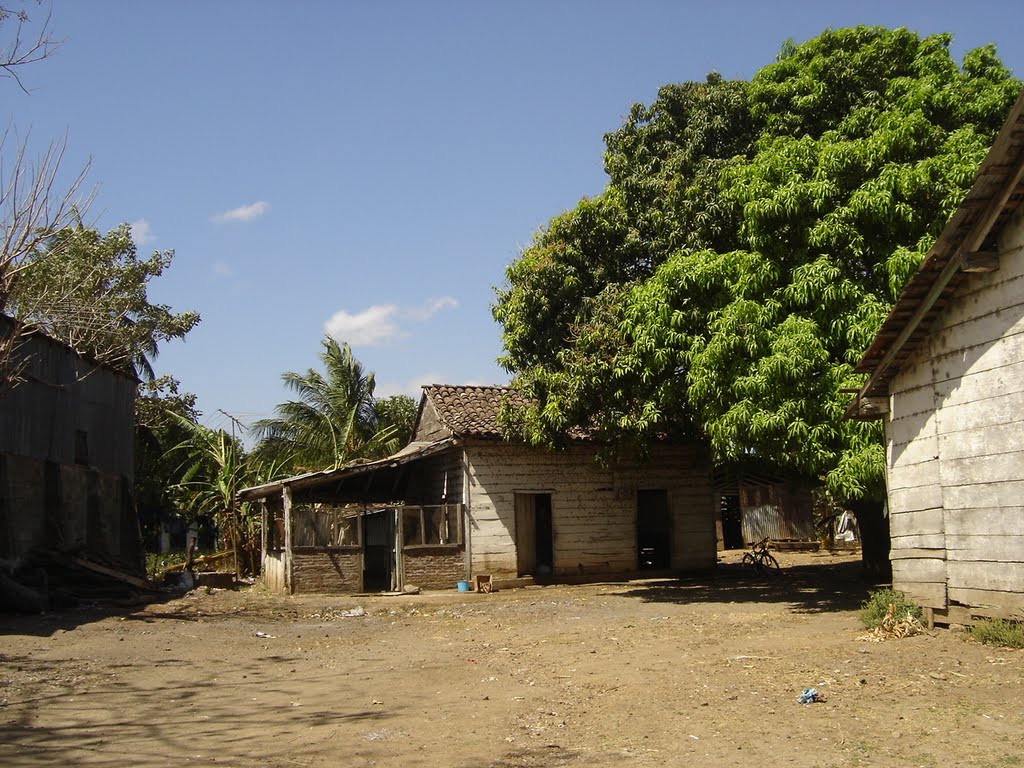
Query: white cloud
[[372, 327], [243, 213], [220, 269], [379, 324], [142, 233], [430, 308]]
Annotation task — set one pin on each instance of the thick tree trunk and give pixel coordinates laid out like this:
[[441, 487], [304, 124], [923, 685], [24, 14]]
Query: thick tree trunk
[[874, 537]]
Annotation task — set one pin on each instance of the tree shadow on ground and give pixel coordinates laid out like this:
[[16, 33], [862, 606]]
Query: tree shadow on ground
[[107, 722], [816, 588], [86, 612]]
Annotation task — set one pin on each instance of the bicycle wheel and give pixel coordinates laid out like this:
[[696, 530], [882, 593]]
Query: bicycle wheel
[[769, 563], [749, 561]]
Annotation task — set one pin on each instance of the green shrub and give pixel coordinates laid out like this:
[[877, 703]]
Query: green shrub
[[1003, 632], [874, 608]]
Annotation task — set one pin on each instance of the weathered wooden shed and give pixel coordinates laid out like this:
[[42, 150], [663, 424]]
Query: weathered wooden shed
[[460, 502], [67, 457], [946, 373], [755, 505]]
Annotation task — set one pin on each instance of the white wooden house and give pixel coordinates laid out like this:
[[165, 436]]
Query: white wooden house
[[946, 373], [460, 502]]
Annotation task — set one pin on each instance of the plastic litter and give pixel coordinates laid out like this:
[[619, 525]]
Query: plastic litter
[[809, 696]]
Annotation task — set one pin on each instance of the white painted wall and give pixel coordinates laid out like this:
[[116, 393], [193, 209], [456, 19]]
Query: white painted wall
[[593, 508], [956, 447]]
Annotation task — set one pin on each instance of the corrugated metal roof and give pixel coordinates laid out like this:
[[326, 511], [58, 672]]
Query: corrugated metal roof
[[996, 193]]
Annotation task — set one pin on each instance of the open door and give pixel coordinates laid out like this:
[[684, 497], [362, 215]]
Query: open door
[[534, 534], [378, 550], [732, 522], [653, 531]]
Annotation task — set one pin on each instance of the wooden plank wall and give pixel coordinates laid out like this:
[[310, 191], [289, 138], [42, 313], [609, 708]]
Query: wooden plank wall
[[273, 573], [593, 508], [956, 452], [429, 427], [436, 480]]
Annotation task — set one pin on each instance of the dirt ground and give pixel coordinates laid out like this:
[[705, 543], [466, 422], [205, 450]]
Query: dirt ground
[[704, 671]]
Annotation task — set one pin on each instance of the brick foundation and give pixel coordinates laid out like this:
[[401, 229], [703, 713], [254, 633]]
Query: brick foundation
[[329, 571], [433, 567]]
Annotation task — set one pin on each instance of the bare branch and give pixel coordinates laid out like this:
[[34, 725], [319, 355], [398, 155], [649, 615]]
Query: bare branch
[[25, 49], [33, 207]]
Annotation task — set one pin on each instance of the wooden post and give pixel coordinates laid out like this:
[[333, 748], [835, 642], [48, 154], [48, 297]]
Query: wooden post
[[361, 538], [263, 537], [466, 535], [286, 496], [398, 574]]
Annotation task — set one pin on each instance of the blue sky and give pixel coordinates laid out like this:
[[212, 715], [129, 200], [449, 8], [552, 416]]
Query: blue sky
[[370, 168]]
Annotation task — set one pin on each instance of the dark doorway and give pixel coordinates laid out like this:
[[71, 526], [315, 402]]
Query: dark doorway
[[653, 531], [732, 522], [534, 534], [378, 551]]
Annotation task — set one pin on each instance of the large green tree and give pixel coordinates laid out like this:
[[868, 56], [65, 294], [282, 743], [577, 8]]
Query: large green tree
[[751, 238], [90, 291]]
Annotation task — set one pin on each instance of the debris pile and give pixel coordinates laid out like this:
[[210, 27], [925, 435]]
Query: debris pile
[[56, 580], [894, 626], [332, 614]]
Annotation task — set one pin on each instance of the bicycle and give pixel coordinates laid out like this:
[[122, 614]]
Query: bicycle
[[760, 561]]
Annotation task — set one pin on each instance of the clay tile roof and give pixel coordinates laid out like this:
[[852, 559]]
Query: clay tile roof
[[470, 411]]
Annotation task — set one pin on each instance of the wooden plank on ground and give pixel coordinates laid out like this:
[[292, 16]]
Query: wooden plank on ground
[[113, 573]]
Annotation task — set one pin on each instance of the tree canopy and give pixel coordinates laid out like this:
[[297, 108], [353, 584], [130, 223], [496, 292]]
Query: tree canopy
[[335, 418], [91, 292], [750, 240]]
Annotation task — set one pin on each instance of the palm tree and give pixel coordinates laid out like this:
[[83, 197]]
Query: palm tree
[[334, 419]]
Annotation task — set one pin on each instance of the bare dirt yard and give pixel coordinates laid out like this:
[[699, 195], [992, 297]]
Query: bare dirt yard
[[703, 671]]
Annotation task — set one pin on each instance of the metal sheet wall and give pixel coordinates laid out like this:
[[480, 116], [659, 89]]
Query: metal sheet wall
[[62, 398], [771, 511]]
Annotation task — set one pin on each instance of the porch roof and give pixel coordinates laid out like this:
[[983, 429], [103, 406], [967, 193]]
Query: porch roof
[[334, 480]]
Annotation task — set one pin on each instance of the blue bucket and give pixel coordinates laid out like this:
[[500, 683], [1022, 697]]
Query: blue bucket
[[463, 586]]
